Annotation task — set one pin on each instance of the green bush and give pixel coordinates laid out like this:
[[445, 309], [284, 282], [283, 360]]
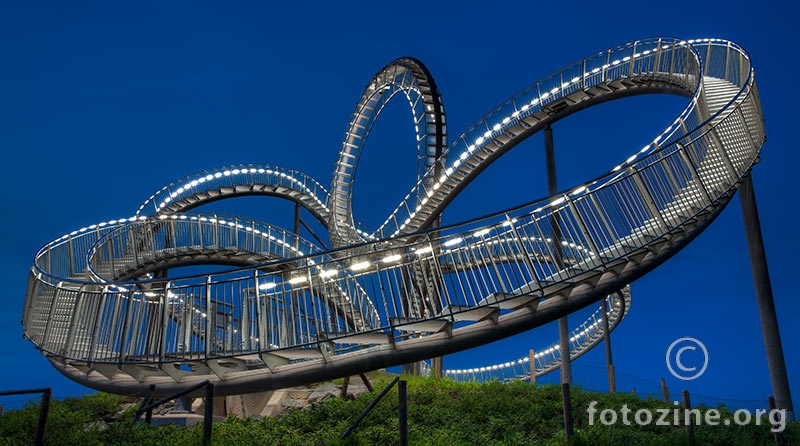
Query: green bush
[[440, 412]]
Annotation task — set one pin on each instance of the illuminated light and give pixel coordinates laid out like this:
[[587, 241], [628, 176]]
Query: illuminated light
[[430, 194], [236, 171], [261, 171], [616, 62], [575, 79], [497, 127], [579, 190], [558, 201], [298, 279], [515, 114], [209, 177], [471, 148], [596, 70], [479, 141], [102, 224], [203, 315], [424, 250], [644, 149], [180, 190], [509, 222], [606, 66], [506, 120], [227, 173], [464, 155], [554, 91], [626, 58], [535, 101], [182, 217], [453, 242], [267, 286], [328, 273], [630, 159], [201, 180], [487, 134], [545, 95], [480, 233], [391, 258], [449, 171], [360, 266], [616, 168]]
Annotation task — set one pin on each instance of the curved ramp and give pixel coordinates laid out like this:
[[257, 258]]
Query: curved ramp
[[412, 294]]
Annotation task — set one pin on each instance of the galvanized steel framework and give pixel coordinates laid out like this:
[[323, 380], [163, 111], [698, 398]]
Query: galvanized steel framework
[[407, 291]]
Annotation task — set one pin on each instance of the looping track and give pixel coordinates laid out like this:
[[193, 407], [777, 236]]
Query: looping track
[[97, 304]]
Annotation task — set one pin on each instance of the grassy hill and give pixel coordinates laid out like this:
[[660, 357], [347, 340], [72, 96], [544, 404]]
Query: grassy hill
[[440, 412]]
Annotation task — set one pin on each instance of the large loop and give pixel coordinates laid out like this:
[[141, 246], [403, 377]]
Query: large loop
[[407, 76]]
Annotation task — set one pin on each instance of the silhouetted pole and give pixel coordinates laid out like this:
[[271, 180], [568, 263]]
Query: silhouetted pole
[[43, 413], [402, 415], [687, 406], [552, 187], [664, 390], [531, 359], [612, 382], [764, 300]]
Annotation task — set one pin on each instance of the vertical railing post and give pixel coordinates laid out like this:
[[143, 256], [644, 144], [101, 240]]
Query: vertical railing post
[[207, 330]]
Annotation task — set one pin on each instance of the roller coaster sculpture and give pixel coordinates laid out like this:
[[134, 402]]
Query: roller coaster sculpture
[[99, 307]]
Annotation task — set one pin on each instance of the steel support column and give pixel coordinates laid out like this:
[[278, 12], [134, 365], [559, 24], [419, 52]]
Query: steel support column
[[766, 305], [552, 188], [612, 387]]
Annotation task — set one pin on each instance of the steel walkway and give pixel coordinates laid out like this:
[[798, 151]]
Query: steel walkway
[[97, 304]]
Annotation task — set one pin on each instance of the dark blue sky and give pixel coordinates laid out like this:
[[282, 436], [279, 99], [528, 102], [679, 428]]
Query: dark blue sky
[[103, 104]]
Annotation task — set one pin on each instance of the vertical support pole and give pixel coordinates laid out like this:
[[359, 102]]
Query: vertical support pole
[[687, 407], [664, 390], [531, 359], [296, 225], [437, 366], [552, 188], [567, 400], [44, 410], [345, 385], [776, 433], [148, 416], [208, 413], [402, 412], [612, 385], [766, 305]]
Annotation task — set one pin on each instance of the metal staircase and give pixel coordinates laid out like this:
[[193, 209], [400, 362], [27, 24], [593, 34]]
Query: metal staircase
[[294, 314]]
